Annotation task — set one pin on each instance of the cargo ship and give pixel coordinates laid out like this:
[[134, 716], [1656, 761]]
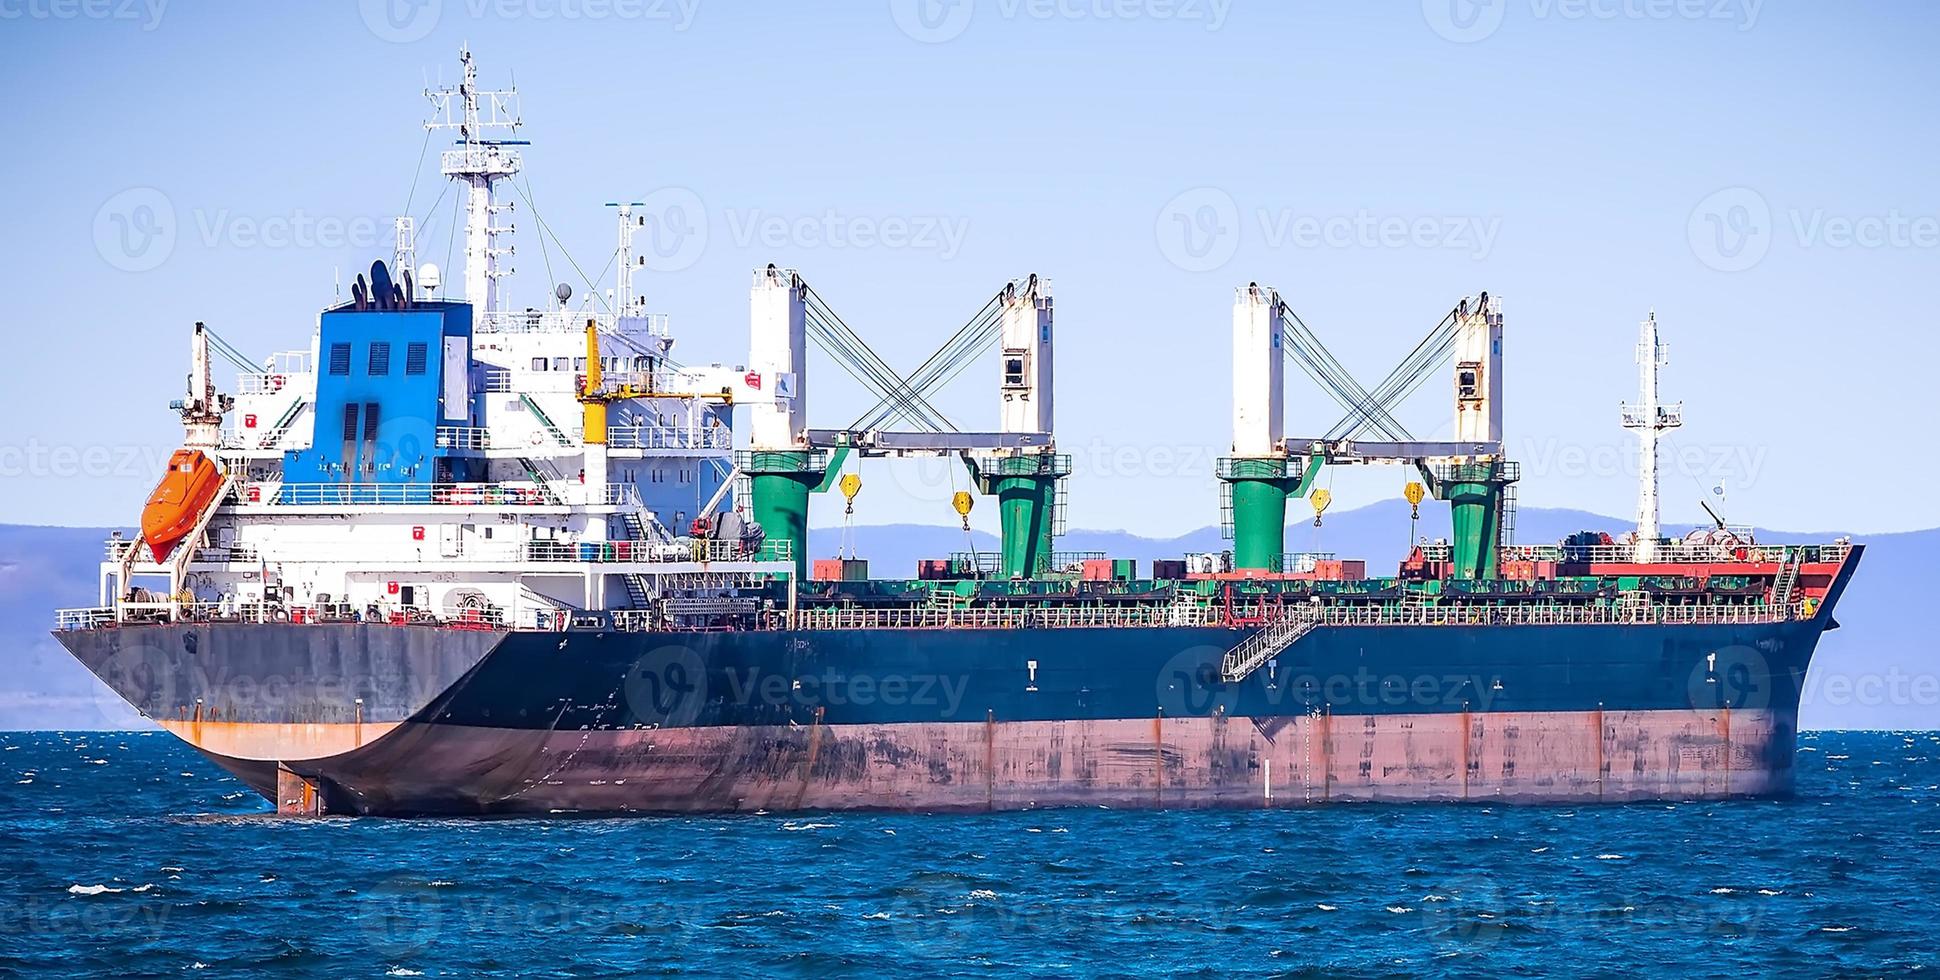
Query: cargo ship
[[460, 558]]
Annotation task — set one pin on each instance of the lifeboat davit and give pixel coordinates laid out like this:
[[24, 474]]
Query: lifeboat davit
[[187, 489]]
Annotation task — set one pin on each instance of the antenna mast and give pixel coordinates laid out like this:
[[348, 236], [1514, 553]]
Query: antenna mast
[[1649, 418], [480, 163], [626, 304]]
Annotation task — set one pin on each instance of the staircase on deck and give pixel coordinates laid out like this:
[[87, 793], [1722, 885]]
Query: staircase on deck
[[1241, 661]]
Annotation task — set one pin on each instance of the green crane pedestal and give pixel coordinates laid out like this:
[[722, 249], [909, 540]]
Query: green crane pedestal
[[1026, 488], [1475, 493], [1258, 489], [779, 485]]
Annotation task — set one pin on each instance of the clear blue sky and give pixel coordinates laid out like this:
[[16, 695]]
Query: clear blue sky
[[1760, 173]]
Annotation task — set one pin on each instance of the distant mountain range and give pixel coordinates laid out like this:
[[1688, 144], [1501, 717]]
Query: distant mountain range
[[43, 568]]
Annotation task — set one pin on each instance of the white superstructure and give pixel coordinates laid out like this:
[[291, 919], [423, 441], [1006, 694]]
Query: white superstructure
[[429, 458]]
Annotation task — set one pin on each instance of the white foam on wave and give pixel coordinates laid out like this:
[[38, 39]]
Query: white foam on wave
[[1609, 857], [398, 971], [1722, 890], [1399, 909], [1324, 907], [806, 826], [93, 890]]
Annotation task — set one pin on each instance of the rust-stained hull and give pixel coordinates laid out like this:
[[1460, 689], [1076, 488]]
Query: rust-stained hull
[[1518, 757], [401, 720]]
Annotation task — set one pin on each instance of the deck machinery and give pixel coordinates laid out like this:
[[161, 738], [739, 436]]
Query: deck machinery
[[392, 576]]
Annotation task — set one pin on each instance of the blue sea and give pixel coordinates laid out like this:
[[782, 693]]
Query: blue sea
[[127, 854]]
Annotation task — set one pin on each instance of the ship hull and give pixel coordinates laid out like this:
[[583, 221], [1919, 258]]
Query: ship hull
[[523, 722]]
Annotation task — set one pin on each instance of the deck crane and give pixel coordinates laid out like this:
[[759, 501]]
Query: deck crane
[[1267, 467], [788, 461]]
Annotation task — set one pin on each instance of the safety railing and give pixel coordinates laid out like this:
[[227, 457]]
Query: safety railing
[[480, 160], [463, 437], [271, 382], [669, 437], [1151, 615], [569, 321], [681, 550], [494, 495], [992, 562], [477, 616]]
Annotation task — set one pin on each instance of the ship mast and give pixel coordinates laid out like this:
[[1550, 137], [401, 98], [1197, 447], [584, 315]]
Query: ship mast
[[1649, 417], [626, 304], [479, 163], [203, 407]]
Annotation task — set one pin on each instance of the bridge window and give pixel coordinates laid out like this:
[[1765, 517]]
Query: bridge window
[[415, 356], [562, 364], [538, 364], [380, 358], [340, 359]]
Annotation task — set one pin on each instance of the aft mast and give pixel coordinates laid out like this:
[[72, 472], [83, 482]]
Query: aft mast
[[1649, 418], [480, 163]]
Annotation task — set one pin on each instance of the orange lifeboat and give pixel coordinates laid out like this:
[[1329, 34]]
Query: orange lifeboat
[[186, 490]]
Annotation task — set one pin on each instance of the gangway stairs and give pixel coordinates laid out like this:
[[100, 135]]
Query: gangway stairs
[[1241, 661], [539, 479], [637, 593], [274, 439], [545, 421], [1788, 580]]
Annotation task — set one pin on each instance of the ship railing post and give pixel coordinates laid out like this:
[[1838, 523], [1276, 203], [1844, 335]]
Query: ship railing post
[[792, 582]]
